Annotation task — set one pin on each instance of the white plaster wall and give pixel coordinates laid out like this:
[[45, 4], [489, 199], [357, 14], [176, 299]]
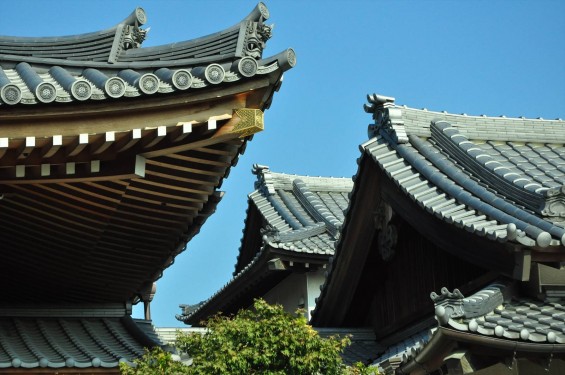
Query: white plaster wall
[[298, 290], [314, 280]]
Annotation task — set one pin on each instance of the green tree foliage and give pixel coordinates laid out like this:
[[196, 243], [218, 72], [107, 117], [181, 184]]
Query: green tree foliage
[[154, 362], [262, 340]]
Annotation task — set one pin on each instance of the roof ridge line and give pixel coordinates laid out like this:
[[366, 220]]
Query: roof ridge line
[[482, 116]]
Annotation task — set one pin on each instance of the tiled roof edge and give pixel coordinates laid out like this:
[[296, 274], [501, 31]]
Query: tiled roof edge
[[497, 208], [402, 120]]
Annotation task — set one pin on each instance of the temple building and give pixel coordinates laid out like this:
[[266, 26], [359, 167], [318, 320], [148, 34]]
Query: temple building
[[111, 157], [291, 228], [452, 248]]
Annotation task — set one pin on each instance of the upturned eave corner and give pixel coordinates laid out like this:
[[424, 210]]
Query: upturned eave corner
[[113, 64]]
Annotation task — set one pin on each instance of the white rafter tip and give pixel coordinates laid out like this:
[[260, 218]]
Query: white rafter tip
[[95, 166], [212, 123], [110, 136], [70, 168], [45, 169]]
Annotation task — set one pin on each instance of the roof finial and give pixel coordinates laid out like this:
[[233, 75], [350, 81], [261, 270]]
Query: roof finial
[[387, 116]]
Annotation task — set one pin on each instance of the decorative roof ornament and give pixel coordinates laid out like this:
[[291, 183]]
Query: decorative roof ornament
[[388, 118], [453, 305], [264, 179], [388, 234], [133, 36], [554, 203], [257, 33]]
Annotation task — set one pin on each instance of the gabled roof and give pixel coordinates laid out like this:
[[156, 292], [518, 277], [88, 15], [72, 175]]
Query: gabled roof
[[77, 337], [291, 219], [111, 63], [496, 177], [302, 214]]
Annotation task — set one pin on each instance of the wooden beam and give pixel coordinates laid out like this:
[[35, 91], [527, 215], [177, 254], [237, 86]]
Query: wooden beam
[[103, 144], [221, 162], [128, 141], [93, 171], [26, 148], [52, 147], [4, 143], [181, 131], [156, 136], [243, 123], [77, 145]]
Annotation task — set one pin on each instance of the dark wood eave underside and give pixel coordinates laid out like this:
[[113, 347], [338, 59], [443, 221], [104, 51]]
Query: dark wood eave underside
[[97, 202], [268, 269]]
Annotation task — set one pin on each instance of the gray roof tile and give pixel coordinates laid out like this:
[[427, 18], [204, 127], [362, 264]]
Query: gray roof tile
[[488, 312], [111, 63], [479, 173], [291, 203], [73, 341]]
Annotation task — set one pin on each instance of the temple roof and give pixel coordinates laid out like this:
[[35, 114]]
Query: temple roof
[[112, 63], [71, 337], [498, 316], [104, 194], [488, 190], [291, 219], [498, 311], [497, 177], [301, 213]]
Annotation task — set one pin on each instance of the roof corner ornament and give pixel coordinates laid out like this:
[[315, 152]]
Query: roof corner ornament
[[256, 36], [264, 179], [387, 116], [554, 203], [453, 305], [133, 36], [270, 233], [251, 121]]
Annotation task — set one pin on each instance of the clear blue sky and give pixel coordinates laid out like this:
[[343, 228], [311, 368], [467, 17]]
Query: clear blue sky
[[477, 57]]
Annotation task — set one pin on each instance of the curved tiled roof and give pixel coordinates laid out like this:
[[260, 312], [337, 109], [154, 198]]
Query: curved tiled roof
[[301, 215], [496, 177], [110, 64], [71, 338], [489, 313], [108, 192]]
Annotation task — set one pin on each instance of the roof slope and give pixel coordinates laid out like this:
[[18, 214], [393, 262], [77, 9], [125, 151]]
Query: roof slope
[[290, 219], [497, 316], [496, 177], [500, 179], [477, 179], [111, 64], [300, 213], [79, 337]]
